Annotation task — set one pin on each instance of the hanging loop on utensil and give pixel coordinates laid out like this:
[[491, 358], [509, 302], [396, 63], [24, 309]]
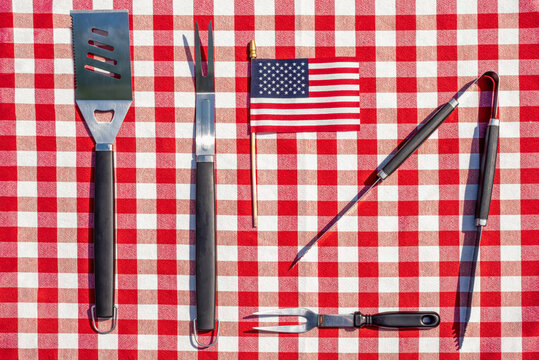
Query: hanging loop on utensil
[[196, 335], [114, 320]]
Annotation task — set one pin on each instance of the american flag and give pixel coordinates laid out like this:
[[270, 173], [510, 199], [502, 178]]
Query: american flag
[[298, 95]]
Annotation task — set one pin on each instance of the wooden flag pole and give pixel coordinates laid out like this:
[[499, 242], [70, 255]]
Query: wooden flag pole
[[252, 55]]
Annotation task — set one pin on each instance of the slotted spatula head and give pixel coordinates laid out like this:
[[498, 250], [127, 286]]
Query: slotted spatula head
[[102, 57], [102, 70]]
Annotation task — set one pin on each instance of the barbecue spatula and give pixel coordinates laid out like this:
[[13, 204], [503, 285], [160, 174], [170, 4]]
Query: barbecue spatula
[[103, 83]]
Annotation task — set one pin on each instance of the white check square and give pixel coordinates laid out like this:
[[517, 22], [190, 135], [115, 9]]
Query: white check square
[[467, 67], [147, 221], [66, 190], [264, 7], [429, 284], [427, 69], [385, 7], [25, 128], [388, 345], [27, 249], [386, 100], [427, 223], [427, 100], [66, 159], [66, 220], [143, 37], [388, 223], [27, 340], [345, 38], [27, 189], [27, 310], [147, 251], [147, 341], [68, 310], [145, 160], [27, 280], [147, 281], [146, 191], [66, 250], [466, 6], [223, 37], [23, 35], [27, 219], [508, 36], [268, 284], [142, 7], [25, 96], [24, 66], [429, 345], [144, 99], [511, 344], [387, 131], [304, 7], [308, 284], [268, 253], [143, 68], [304, 38], [426, 37], [147, 312], [385, 38], [348, 284], [68, 341]]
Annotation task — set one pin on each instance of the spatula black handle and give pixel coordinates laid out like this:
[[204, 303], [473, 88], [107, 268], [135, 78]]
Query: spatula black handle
[[398, 319], [415, 141], [488, 168], [205, 246], [104, 244]]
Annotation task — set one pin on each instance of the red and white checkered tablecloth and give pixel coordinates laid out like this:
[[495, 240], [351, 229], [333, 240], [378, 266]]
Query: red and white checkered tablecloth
[[400, 250]]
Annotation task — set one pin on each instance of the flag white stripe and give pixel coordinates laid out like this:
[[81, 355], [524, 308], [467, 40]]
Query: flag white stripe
[[334, 88], [337, 76], [314, 100], [299, 123], [337, 110], [334, 65]]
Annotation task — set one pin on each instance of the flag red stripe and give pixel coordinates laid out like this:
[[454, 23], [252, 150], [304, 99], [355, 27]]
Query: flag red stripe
[[334, 71], [318, 94], [286, 117], [333, 60], [305, 105], [273, 129], [333, 82]]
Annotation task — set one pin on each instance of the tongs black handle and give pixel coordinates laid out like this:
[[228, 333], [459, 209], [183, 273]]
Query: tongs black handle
[[104, 249], [415, 141], [488, 168], [398, 319]]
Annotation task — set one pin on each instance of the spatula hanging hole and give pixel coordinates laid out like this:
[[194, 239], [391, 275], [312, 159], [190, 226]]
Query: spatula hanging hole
[[100, 45], [100, 32], [102, 71], [102, 59], [104, 116]]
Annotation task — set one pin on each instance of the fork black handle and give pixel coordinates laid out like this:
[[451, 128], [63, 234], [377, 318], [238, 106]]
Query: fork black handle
[[205, 246], [104, 248], [398, 319]]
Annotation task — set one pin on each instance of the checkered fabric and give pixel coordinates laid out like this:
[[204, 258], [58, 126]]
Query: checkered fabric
[[400, 250]]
